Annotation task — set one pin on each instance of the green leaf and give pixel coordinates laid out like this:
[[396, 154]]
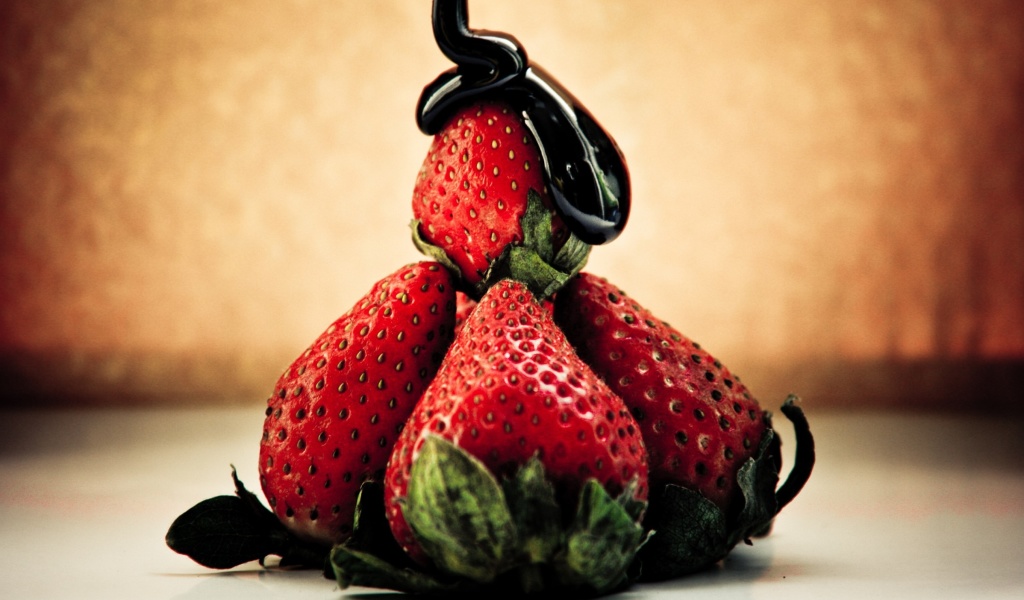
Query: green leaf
[[226, 531], [371, 532], [371, 557], [602, 541], [364, 568], [690, 533], [629, 502], [536, 226], [524, 265], [535, 512], [458, 512], [432, 251], [572, 257], [220, 533], [757, 479], [534, 262]]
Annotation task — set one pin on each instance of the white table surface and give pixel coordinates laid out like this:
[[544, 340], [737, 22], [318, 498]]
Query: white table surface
[[898, 507]]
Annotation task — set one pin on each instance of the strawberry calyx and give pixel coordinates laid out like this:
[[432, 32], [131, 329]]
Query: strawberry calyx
[[536, 261], [226, 531], [691, 533], [484, 534]]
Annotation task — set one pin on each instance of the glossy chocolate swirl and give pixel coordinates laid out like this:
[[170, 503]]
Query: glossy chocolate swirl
[[586, 171]]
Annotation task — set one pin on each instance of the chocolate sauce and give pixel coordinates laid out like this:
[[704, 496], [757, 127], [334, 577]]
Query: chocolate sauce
[[586, 171]]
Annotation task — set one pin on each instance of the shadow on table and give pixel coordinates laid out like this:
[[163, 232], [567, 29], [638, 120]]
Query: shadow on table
[[742, 567]]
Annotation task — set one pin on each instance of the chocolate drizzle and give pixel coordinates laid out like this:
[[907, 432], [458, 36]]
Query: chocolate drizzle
[[586, 172]]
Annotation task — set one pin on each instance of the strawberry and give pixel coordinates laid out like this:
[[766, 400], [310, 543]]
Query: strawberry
[[482, 207], [513, 406], [700, 423], [698, 419], [330, 425], [336, 411]]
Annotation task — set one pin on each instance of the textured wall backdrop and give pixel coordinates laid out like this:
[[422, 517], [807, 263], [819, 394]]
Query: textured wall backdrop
[[828, 195]]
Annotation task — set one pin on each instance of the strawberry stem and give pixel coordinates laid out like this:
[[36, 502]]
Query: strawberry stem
[[803, 461]]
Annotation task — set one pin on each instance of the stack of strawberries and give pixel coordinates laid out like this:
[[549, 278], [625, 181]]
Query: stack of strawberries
[[495, 416]]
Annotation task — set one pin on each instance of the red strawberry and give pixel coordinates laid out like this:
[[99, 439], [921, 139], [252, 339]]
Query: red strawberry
[[337, 410], [509, 389], [481, 202], [699, 422], [464, 306]]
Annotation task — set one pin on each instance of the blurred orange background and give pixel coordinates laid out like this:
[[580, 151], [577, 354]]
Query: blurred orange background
[[829, 196]]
